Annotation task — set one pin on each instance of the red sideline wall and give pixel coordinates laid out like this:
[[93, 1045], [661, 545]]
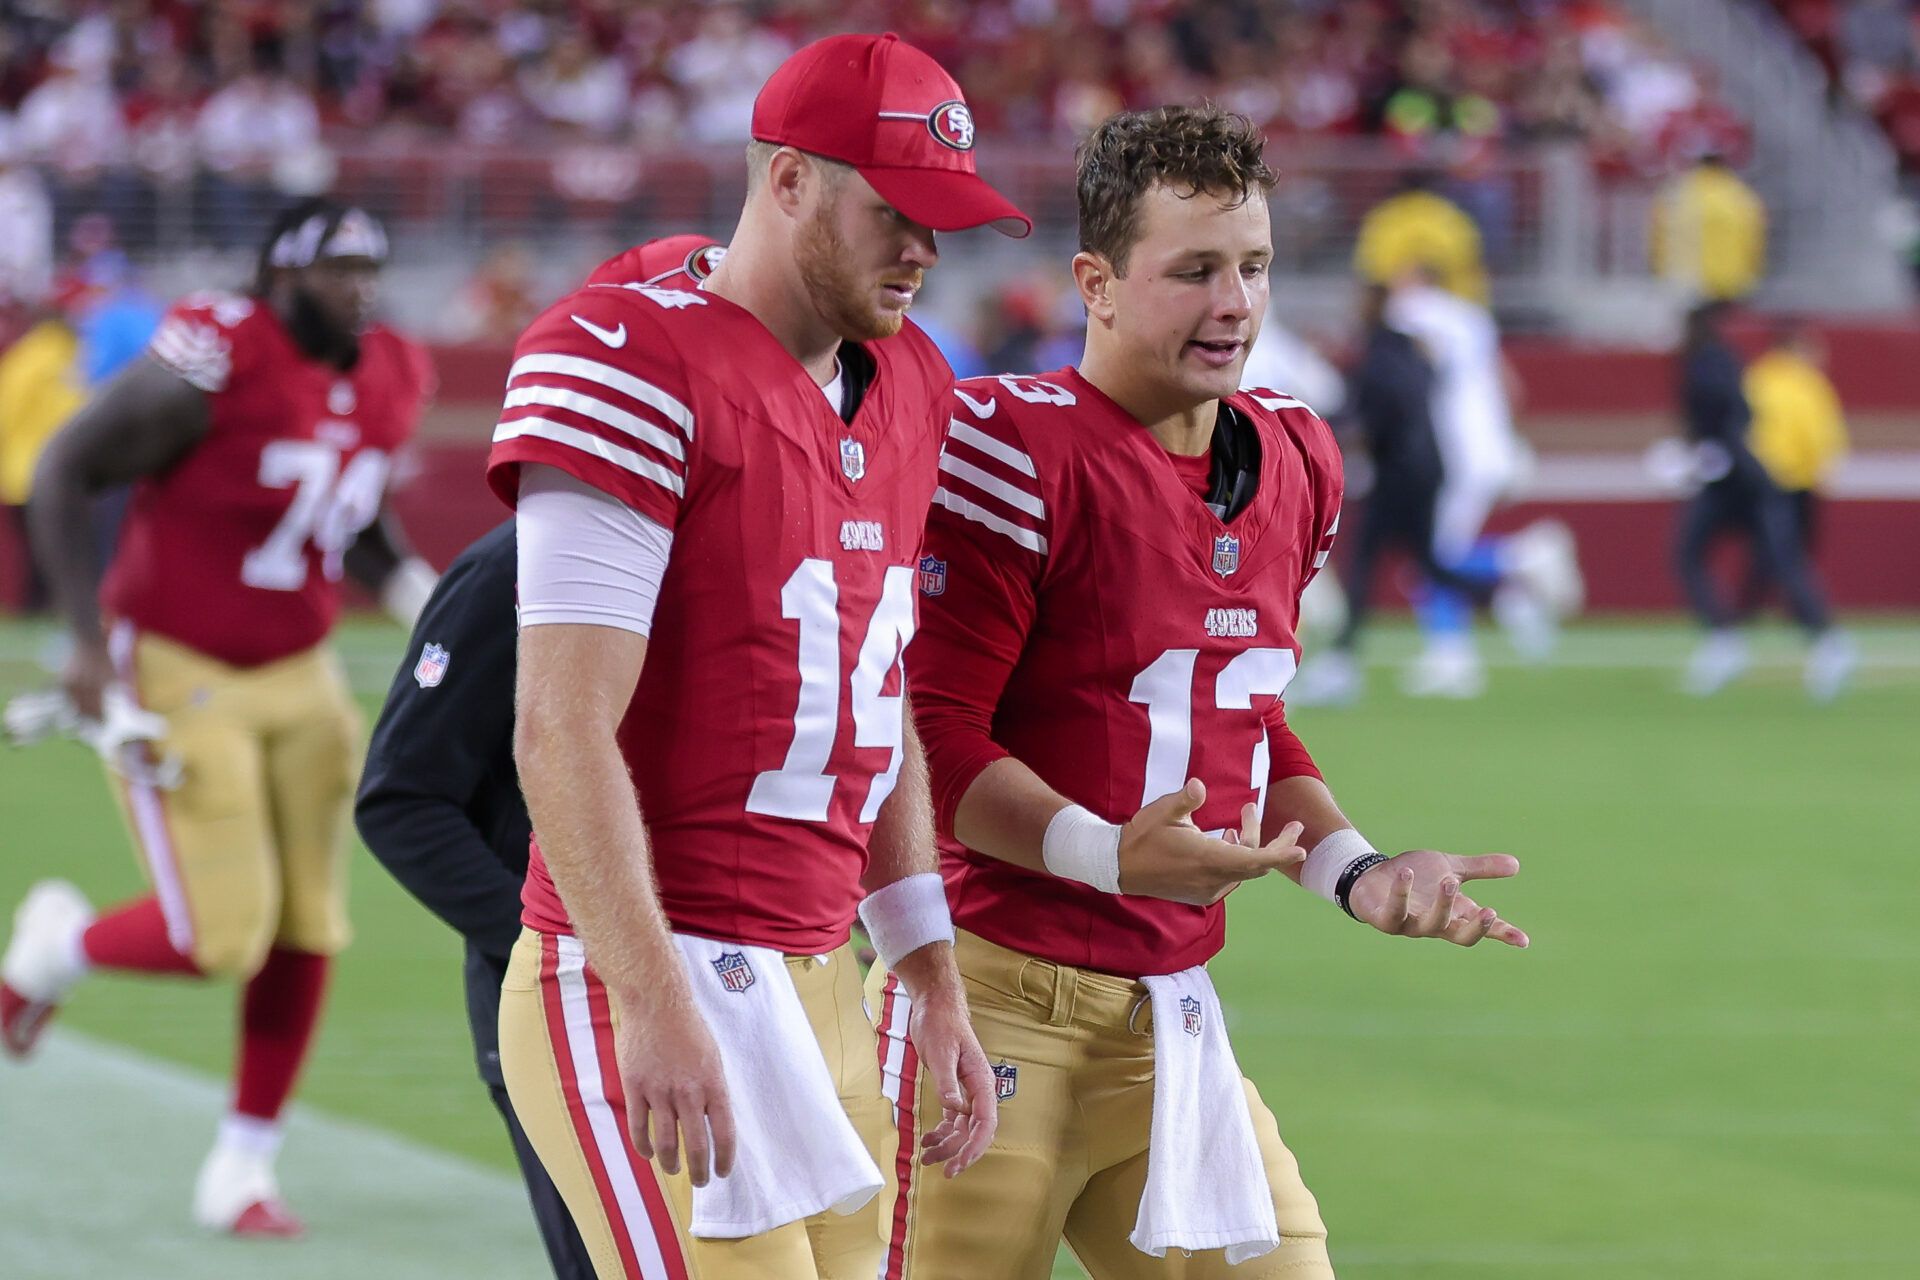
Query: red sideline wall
[[1870, 550], [1869, 553]]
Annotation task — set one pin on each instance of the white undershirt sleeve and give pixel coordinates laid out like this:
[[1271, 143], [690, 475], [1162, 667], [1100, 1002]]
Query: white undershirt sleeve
[[584, 555]]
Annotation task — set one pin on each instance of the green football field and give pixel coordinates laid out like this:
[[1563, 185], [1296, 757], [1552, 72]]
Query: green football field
[[1705, 1067]]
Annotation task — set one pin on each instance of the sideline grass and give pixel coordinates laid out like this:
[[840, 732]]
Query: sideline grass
[[1703, 1069]]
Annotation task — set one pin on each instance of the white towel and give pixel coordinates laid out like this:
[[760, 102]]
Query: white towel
[[797, 1153], [1206, 1183]]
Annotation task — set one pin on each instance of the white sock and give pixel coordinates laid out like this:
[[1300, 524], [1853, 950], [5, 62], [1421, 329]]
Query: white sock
[[74, 952], [250, 1136]]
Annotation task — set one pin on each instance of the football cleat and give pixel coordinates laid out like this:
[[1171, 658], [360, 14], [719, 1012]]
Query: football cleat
[[1445, 669], [1330, 679], [1542, 586], [237, 1193], [1830, 664], [1720, 660], [39, 966]]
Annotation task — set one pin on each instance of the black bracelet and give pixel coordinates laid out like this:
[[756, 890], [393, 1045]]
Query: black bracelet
[[1351, 876]]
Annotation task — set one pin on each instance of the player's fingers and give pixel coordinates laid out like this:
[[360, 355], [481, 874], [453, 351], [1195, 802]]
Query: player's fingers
[[983, 1113], [1471, 925], [1177, 806], [1437, 918], [938, 1135], [666, 1136], [1399, 901], [725, 1134], [698, 1142], [1487, 866], [1285, 849], [637, 1116], [1250, 825], [1513, 937]]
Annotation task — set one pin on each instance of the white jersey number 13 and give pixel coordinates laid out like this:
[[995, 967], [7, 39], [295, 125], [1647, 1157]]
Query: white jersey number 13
[[1166, 687]]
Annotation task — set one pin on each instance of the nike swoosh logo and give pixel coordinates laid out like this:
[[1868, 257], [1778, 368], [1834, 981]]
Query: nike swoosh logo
[[612, 337], [982, 409]]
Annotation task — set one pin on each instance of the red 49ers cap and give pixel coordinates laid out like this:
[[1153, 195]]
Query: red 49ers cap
[[890, 111], [674, 262]]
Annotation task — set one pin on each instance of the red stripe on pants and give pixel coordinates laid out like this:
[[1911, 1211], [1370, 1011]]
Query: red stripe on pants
[[897, 1006], [551, 1001]]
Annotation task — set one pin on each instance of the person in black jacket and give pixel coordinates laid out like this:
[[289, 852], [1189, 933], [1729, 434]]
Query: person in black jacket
[[1390, 400], [440, 806], [1736, 495]]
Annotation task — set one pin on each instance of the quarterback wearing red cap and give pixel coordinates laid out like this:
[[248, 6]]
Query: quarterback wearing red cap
[[720, 495]]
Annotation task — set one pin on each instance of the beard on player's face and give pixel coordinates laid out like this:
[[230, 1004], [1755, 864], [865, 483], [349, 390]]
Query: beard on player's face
[[848, 288], [318, 329]]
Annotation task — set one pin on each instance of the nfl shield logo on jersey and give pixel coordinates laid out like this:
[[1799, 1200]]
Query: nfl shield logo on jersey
[[1190, 1015], [1226, 554], [932, 576], [736, 974], [432, 667], [1006, 1078], [853, 459]]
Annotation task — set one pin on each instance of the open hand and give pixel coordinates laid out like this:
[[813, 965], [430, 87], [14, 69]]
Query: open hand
[[1164, 855], [1417, 895]]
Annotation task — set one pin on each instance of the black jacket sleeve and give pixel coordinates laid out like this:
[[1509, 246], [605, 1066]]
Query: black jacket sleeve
[[437, 803]]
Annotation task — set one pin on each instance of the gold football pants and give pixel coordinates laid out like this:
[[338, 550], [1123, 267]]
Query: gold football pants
[[249, 851], [556, 1050], [1073, 1054]]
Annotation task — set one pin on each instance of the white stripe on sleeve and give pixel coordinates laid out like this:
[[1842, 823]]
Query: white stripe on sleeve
[[1027, 538], [611, 378], [975, 438], [585, 441], [1018, 499]]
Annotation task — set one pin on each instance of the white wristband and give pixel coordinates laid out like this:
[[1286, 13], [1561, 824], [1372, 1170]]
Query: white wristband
[[906, 915], [1081, 845], [1330, 858], [404, 594]]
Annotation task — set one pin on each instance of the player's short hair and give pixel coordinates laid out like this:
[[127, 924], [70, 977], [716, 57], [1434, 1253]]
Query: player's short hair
[[1191, 149], [759, 153]]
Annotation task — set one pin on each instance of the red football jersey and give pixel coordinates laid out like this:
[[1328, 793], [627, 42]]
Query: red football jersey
[[1086, 612], [766, 727], [237, 549]]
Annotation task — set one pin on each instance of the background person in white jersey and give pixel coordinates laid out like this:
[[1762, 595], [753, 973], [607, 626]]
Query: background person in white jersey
[[1482, 459]]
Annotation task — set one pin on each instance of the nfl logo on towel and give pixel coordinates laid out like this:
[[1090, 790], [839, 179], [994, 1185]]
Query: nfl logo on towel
[[1226, 554], [736, 974], [432, 667], [1006, 1078], [1190, 1015], [853, 459], [933, 576]]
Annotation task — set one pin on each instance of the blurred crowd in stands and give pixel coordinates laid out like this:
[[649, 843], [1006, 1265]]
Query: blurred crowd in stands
[[1871, 51], [246, 94]]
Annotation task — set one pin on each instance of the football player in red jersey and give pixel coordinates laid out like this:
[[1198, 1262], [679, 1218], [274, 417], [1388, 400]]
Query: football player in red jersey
[[720, 497], [258, 434], [1109, 596]]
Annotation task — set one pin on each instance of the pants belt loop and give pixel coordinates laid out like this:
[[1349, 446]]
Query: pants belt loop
[[1064, 982]]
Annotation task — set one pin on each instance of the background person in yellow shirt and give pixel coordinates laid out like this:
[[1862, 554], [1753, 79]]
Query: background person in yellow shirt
[[1709, 233], [1421, 230], [40, 388], [1799, 432]]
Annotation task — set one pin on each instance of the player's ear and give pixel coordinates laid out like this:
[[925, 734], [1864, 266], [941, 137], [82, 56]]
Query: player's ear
[[788, 177], [1093, 276]]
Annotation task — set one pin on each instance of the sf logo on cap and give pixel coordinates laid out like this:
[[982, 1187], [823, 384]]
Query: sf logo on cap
[[951, 124]]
